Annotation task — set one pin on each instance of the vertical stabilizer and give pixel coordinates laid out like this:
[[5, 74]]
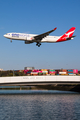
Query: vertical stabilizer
[[67, 35]]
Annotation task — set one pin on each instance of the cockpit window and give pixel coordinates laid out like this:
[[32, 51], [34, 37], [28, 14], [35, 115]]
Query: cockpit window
[[7, 34]]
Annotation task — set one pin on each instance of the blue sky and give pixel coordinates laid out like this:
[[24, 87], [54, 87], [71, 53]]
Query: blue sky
[[36, 17]]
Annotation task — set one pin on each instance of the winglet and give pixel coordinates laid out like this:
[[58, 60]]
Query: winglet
[[55, 28]]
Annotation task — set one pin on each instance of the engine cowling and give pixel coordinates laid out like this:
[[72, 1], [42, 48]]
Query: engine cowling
[[27, 42]]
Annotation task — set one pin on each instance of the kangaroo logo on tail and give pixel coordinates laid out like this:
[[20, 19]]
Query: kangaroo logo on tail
[[67, 35]]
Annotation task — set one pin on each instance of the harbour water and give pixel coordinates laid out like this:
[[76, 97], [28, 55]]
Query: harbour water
[[39, 105]]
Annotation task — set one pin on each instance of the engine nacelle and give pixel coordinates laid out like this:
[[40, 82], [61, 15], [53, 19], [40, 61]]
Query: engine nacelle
[[27, 42]]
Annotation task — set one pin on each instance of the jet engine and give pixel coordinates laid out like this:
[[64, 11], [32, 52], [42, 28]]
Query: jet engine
[[27, 42]]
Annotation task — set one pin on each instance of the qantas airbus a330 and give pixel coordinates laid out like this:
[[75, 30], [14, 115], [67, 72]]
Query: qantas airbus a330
[[30, 38]]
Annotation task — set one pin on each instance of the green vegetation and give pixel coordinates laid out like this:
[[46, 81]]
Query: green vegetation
[[11, 73]]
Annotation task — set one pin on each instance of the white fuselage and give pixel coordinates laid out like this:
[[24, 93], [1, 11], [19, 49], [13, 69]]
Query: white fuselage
[[44, 37], [29, 37]]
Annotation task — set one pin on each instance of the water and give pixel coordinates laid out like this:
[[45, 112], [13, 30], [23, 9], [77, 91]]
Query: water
[[39, 105]]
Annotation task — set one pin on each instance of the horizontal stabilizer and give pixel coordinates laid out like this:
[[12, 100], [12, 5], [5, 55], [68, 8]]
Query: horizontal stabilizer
[[70, 37]]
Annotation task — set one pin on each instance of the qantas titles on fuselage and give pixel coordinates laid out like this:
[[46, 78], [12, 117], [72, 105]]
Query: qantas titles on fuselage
[[30, 38]]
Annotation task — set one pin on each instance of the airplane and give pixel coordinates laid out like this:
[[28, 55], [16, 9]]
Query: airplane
[[41, 38]]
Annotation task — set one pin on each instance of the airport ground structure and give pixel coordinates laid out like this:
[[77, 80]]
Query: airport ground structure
[[49, 79], [57, 82], [39, 72]]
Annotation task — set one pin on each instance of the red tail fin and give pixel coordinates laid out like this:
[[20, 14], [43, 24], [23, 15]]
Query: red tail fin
[[67, 35]]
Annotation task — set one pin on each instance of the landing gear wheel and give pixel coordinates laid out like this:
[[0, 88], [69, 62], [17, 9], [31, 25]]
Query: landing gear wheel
[[38, 44]]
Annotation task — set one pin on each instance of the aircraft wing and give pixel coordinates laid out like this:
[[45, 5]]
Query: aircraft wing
[[41, 36]]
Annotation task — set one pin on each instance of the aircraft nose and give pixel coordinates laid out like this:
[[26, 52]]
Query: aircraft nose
[[4, 35]]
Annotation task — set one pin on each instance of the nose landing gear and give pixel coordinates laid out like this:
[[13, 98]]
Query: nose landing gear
[[11, 40]]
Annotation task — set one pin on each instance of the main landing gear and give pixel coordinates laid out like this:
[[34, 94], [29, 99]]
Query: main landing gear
[[38, 44]]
